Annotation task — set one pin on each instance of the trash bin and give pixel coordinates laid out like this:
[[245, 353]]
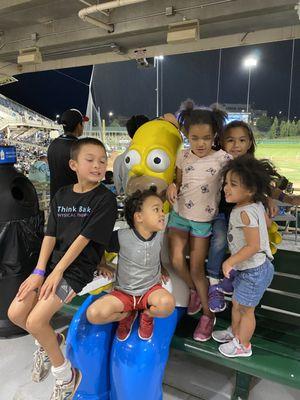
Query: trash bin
[[21, 234]]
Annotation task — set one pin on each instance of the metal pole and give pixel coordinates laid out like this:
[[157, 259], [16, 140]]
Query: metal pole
[[103, 132], [219, 75], [291, 80], [248, 92], [157, 87], [161, 87]]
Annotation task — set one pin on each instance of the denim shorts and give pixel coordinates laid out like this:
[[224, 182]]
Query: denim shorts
[[250, 284], [195, 228]]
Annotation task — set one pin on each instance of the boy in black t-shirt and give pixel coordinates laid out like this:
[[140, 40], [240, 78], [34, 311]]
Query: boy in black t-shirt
[[79, 228]]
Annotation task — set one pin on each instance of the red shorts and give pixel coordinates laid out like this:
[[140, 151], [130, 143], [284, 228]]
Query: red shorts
[[134, 302]]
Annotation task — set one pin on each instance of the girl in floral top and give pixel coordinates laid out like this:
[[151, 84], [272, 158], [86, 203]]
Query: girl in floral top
[[195, 197]]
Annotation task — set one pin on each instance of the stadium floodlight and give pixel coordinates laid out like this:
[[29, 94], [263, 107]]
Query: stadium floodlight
[[249, 62], [158, 63], [297, 8]]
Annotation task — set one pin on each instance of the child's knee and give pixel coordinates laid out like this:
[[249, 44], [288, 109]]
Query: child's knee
[[244, 310], [176, 261], [96, 314], [166, 304], [34, 324], [13, 315]]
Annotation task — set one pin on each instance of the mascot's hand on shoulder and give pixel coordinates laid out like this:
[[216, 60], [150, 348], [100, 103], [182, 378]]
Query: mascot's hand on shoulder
[[275, 237]]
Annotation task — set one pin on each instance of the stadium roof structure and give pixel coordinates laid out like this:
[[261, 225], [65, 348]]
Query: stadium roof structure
[[52, 34]]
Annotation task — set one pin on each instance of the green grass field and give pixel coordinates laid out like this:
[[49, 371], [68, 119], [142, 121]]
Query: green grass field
[[285, 156]]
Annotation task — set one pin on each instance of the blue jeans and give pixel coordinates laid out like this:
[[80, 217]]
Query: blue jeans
[[218, 247]]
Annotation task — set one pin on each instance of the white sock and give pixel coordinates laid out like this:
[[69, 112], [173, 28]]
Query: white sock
[[213, 281], [63, 372]]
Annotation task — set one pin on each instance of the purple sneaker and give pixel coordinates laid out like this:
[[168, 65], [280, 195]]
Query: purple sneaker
[[216, 300], [194, 304], [204, 329], [225, 285]]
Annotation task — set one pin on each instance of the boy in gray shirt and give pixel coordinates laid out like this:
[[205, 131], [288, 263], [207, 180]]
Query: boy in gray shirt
[[138, 284]]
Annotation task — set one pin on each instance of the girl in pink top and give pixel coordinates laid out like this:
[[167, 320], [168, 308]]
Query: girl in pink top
[[195, 197]]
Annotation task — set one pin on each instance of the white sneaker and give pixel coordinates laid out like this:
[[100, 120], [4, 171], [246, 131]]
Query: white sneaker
[[235, 349], [66, 391], [223, 336], [41, 362]]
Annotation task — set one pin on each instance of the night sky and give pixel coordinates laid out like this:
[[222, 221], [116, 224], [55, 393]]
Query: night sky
[[125, 89]]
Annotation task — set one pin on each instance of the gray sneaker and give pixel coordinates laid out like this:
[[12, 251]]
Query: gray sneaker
[[66, 391], [235, 349], [223, 336], [41, 362]]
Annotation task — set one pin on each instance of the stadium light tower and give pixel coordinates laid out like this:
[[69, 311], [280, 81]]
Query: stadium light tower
[[249, 62], [158, 65]]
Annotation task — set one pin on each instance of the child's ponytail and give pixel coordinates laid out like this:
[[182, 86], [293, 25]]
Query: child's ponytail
[[185, 112], [219, 118], [190, 114]]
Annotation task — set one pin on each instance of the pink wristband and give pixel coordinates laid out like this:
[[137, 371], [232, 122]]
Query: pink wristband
[[38, 271]]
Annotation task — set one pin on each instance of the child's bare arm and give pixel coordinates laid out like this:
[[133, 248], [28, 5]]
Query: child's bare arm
[[272, 208], [174, 188], [72, 253], [35, 281], [47, 248], [50, 285], [252, 246]]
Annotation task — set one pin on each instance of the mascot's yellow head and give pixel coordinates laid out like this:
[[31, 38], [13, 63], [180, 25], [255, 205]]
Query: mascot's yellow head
[[151, 156]]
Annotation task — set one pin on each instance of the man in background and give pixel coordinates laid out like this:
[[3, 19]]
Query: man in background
[[59, 150]]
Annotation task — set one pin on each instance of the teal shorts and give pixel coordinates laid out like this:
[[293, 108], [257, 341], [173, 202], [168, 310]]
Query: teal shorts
[[197, 229]]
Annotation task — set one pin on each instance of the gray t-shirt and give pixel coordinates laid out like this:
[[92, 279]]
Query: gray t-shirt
[[139, 266], [236, 238], [120, 172]]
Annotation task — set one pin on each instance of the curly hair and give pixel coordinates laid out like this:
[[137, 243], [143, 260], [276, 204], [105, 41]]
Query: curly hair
[[255, 175], [134, 203]]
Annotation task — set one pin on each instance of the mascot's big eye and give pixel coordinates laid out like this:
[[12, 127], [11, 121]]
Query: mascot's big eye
[[132, 158], [158, 160]]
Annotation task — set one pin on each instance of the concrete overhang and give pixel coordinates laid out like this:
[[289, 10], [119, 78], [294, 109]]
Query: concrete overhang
[[66, 41]]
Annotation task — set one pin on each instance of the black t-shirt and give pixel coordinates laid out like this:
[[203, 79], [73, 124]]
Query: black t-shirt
[[58, 157], [92, 215]]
